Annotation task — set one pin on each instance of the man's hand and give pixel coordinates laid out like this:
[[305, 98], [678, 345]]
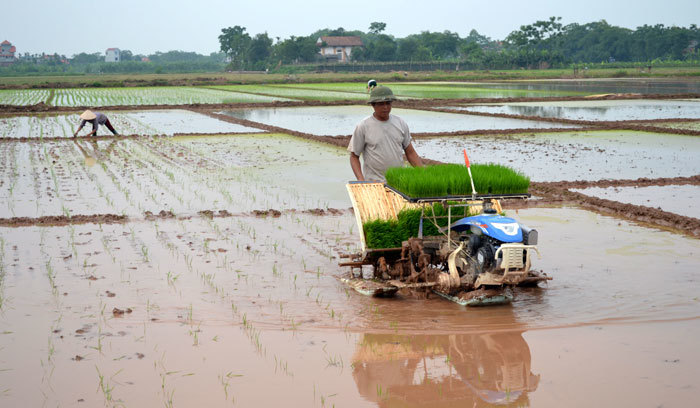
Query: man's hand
[[356, 166], [413, 157]]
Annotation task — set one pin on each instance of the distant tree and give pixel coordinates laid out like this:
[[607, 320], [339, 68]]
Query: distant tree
[[126, 55], [295, 50], [259, 50], [532, 34], [234, 41], [383, 49], [84, 58], [377, 27], [410, 49]]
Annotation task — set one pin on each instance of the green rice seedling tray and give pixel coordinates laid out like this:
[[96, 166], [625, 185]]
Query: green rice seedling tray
[[455, 180], [457, 197]]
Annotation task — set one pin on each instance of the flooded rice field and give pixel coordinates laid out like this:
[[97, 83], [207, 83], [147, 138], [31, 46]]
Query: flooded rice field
[[341, 120], [676, 199], [151, 123], [605, 110], [644, 86], [178, 175], [165, 95], [202, 270], [297, 92], [575, 155], [442, 90]]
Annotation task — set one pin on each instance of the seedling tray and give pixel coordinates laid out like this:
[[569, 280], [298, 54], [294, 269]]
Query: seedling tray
[[469, 197]]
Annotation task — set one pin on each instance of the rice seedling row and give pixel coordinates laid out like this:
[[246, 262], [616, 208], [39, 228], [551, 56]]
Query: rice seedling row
[[455, 180], [165, 122], [23, 97], [294, 93], [150, 96]]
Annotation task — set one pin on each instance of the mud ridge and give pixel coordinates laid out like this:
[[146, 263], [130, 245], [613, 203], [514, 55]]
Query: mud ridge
[[62, 220], [119, 137], [640, 182]]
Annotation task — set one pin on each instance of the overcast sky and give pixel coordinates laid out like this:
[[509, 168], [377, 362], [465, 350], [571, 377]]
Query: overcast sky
[[145, 26]]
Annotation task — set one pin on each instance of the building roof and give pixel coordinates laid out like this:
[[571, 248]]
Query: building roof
[[6, 43], [13, 49], [347, 41], [112, 49]]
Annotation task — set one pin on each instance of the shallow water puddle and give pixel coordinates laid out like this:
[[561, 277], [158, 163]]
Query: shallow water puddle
[[681, 200], [341, 120], [575, 155], [607, 110]]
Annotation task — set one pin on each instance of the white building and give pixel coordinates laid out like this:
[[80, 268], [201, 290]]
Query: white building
[[112, 55], [7, 53], [338, 48]]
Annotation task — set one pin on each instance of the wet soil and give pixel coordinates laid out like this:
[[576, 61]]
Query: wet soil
[[269, 286]]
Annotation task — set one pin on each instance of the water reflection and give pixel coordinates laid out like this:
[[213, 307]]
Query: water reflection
[[619, 110], [91, 151], [474, 370]]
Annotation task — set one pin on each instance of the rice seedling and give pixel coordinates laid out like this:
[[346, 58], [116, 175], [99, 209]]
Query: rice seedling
[[391, 233], [453, 179]]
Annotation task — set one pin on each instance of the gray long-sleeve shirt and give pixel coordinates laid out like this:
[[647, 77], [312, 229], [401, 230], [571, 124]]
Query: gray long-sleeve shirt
[[101, 119]]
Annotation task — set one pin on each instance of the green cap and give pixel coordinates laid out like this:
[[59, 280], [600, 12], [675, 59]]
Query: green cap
[[381, 94]]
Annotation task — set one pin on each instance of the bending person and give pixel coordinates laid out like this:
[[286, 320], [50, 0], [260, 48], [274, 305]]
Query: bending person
[[95, 119], [381, 139]]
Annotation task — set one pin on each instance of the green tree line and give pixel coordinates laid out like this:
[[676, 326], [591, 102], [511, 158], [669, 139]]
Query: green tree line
[[542, 44], [545, 43]]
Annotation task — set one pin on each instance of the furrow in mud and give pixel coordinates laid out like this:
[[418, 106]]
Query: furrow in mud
[[63, 220]]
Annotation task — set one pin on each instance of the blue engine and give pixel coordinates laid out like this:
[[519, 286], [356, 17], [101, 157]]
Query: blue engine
[[498, 227]]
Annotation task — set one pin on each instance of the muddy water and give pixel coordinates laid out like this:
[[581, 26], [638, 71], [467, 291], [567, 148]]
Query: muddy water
[[576, 155], [223, 309], [597, 110], [341, 120], [676, 199]]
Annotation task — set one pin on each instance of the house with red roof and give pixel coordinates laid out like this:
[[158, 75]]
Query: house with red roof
[[7, 53], [112, 55], [338, 48]]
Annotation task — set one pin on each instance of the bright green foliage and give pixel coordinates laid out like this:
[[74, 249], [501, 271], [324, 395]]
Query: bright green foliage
[[383, 234], [453, 179], [390, 234]]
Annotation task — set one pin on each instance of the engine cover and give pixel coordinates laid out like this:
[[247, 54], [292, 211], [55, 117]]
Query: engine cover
[[503, 229]]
